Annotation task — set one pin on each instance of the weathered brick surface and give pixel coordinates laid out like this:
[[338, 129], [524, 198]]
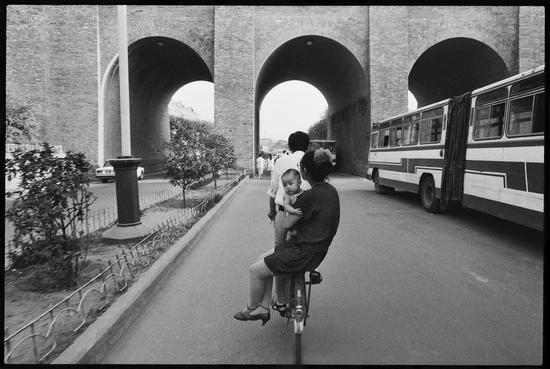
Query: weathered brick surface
[[51, 66], [388, 62], [233, 76], [531, 37], [495, 26], [275, 25], [55, 63]]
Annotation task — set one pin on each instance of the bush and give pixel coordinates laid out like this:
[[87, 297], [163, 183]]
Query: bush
[[50, 210]]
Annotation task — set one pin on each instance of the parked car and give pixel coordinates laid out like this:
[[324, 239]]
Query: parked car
[[107, 172]]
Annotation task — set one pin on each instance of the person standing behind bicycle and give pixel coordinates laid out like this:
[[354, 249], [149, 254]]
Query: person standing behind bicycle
[[298, 143], [316, 228]]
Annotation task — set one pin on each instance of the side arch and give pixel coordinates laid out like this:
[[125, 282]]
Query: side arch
[[158, 67], [452, 67]]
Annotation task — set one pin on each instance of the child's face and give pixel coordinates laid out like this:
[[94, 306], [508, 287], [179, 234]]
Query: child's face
[[291, 184]]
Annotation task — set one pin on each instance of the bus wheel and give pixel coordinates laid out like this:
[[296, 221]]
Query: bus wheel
[[378, 188], [427, 195]]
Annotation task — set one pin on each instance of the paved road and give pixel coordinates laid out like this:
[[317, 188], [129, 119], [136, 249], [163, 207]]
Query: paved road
[[401, 286]]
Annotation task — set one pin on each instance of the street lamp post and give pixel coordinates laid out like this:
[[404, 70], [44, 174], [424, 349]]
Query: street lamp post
[[125, 166]]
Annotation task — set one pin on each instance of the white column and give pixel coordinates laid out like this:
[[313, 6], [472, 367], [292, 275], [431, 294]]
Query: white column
[[100, 120], [124, 81]]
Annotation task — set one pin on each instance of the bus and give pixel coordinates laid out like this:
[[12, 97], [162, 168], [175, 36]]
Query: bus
[[324, 144], [483, 150]]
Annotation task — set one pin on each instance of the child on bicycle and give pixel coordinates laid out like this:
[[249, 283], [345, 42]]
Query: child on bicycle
[[291, 183]]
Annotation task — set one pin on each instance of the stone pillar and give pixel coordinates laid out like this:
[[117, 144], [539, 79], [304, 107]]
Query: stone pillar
[[127, 191], [388, 74], [234, 76]]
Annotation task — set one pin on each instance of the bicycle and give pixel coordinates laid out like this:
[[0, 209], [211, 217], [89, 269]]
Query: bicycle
[[299, 300]]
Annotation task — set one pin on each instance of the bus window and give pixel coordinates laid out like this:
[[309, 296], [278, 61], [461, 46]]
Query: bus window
[[392, 137], [539, 124], [488, 121], [525, 85], [398, 136], [407, 134], [414, 133], [521, 120], [374, 140], [384, 138], [411, 118], [430, 130], [487, 97]]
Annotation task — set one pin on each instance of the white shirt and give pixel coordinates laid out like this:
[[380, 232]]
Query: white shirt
[[282, 164], [259, 162]]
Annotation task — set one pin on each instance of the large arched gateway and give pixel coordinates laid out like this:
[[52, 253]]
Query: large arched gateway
[[334, 71], [158, 67], [62, 61]]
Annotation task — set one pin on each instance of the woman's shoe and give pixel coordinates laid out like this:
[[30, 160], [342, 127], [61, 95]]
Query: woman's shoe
[[245, 315], [281, 308]]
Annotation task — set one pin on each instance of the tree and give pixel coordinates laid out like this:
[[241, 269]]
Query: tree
[[219, 154], [318, 131], [20, 123], [50, 210], [183, 157], [229, 158], [214, 147]]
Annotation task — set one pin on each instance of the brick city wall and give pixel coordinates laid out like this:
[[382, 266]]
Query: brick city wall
[[495, 26], [53, 63], [51, 67], [531, 37]]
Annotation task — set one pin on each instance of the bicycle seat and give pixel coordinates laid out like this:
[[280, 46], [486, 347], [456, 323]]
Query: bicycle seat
[[314, 277]]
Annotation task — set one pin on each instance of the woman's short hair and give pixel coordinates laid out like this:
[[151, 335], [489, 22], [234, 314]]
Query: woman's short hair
[[318, 164]]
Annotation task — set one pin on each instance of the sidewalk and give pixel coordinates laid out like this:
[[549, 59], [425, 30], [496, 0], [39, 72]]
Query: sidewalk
[[98, 339]]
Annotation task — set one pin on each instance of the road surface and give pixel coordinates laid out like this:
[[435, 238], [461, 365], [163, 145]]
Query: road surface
[[401, 287]]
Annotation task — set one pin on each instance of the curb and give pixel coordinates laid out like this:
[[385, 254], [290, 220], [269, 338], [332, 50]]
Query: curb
[[90, 347]]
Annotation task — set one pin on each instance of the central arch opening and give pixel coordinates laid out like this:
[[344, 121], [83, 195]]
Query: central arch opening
[[338, 76], [288, 107]]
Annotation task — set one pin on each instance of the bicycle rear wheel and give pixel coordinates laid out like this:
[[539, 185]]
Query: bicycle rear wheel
[[298, 315], [298, 348]]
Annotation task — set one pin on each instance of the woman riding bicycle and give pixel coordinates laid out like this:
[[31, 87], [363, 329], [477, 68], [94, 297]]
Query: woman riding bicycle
[[316, 228]]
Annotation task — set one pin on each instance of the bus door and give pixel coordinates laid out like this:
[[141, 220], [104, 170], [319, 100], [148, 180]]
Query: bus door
[[454, 160]]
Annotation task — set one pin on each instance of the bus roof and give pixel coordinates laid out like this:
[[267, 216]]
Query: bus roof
[[477, 91], [427, 107], [509, 79]]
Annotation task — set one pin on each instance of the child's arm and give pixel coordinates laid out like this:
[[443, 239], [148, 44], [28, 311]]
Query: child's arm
[[288, 207]]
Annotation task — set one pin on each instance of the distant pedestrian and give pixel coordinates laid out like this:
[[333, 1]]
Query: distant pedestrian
[[270, 163], [260, 165]]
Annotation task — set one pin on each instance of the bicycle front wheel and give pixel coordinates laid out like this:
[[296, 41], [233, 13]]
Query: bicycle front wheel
[[298, 348]]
